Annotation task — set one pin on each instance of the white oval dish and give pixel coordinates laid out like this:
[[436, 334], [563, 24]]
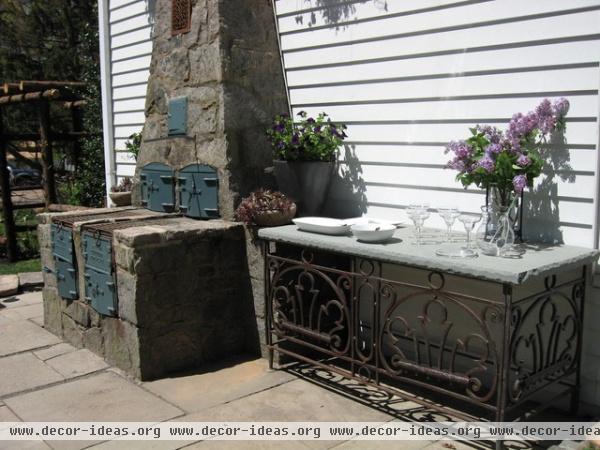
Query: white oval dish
[[323, 225], [373, 232]]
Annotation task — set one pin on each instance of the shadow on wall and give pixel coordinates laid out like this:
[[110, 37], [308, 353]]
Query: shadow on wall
[[541, 204], [347, 193], [333, 12]]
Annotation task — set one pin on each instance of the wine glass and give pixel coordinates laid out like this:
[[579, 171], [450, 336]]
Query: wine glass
[[418, 216], [469, 221], [449, 215]]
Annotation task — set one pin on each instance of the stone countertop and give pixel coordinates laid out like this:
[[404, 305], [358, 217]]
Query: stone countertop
[[538, 260]]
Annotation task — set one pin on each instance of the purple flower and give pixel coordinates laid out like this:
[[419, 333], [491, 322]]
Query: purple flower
[[317, 129], [492, 134], [546, 119], [487, 164], [279, 128], [494, 149], [520, 124], [519, 183], [523, 160], [310, 120], [281, 145], [461, 149], [295, 139], [561, 107]]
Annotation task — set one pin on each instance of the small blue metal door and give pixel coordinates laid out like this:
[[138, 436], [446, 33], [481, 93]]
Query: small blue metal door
[[64, 258], [158, 191], [100, 286], [198, 191]]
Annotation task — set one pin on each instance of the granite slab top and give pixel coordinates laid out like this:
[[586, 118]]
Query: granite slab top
[[537, 260]]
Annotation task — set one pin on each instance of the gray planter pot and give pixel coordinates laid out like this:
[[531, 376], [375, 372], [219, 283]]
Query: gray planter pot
[[306, 183]]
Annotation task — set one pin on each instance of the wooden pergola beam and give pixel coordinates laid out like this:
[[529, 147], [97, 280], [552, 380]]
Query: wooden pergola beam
[[10, 88], [50, 94], [28, 86], [75, 104], [67, 136]]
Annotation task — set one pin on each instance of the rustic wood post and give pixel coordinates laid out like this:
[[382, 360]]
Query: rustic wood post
[[7, 206], [77, 117], [47, 157]]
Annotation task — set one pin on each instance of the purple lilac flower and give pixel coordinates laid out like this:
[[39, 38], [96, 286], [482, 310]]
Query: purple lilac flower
[[546, 119], [521, 124], [561, 107], [492, 134], [519, 183], [494, 148], [456, 164], [487, 164], [523, 160], [461, 149]]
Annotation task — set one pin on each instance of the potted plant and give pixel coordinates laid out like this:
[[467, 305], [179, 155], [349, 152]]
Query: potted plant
[[121, 194], [305, 154], [266, 208], [506, 162]]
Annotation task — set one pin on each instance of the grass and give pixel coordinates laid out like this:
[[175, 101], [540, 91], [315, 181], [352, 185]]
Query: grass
[[27, 265]]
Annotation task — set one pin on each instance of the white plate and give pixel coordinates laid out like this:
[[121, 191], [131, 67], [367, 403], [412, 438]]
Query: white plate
[[373, 232], [323, 225]]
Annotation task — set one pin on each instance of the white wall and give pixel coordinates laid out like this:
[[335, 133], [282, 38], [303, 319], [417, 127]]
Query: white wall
[[128, 28], [408, 76]]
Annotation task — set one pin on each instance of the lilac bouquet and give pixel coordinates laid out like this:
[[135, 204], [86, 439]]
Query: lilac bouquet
[[507, 159]]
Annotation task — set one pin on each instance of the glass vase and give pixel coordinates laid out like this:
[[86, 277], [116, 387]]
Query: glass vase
[[496, 234]]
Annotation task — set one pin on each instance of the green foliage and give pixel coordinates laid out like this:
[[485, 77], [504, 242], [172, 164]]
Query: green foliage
[[307, 140], [89, 187], [133, 144], [27, 265]]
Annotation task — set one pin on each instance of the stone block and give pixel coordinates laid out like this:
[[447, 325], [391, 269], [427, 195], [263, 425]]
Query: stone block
[[52, 310], [78, 311], [28, 280], [72, 332], [9, 285], [77, 363], [23, 372], [21, 336], [121, 345], [94, 340]]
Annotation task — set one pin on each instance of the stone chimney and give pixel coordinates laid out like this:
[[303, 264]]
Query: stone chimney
[[228, 66]]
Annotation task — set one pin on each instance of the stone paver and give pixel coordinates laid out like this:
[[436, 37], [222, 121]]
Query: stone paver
[[39, 321], [27, 298], [6, 415], [218, 385], [249, 445], [383, 445], [296, 401], [104, 397], [55, 350], [23, 335], [74, 364], [23, 372], [24, 312], [29, 280], [9, 285]]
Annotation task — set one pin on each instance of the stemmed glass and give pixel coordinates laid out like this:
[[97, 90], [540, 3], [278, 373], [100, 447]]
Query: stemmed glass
[[418, 213], [469, 221], [449, 215]]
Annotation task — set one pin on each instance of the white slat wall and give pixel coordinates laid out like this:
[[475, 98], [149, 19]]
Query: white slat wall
[[408, 76], [130, 31]]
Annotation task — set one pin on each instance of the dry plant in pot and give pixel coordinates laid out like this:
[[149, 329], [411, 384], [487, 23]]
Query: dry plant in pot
[[266, 208], [121, 194]]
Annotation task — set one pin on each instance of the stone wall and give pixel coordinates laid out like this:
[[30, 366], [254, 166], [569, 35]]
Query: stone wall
[[184, 298], [229, 68]]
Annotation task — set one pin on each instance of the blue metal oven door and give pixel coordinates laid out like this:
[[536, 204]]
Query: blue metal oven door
[[64, 258], [198, 192], [158, 190]]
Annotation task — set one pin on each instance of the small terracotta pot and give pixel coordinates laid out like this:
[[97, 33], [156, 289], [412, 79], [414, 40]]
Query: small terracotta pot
[[275, 218], [121, 198]]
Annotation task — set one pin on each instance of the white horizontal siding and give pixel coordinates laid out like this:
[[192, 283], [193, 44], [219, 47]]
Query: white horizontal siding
[[129, 31], [407, 77]]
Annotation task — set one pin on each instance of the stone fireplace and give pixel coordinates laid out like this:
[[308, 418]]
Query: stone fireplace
[[180, 291]]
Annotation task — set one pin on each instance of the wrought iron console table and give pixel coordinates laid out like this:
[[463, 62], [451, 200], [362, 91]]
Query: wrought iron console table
[[493, 333]]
